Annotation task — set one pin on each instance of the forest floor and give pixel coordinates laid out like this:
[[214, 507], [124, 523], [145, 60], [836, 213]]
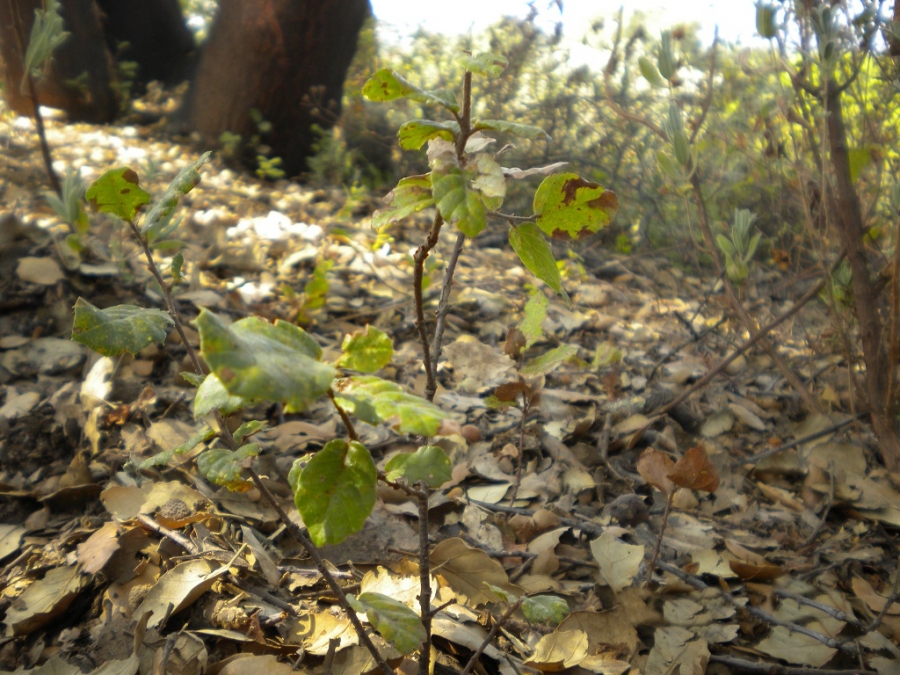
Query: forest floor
[[785, 563]]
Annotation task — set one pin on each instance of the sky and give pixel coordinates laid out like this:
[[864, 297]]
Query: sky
[[736, 19]]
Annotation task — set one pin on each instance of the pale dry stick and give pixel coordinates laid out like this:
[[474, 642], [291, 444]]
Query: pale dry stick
[[800, 441], [829, 502], [490, 636], [756, 337], [757, 668], [690, 580], [826, 609], [194, 550], [888, 604], [441, 314]]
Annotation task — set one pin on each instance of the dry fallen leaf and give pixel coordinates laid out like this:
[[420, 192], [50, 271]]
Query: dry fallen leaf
[[695, 471], [655, 467]]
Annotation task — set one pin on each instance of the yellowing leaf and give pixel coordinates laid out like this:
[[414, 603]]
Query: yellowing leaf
[[619, 562], [570, 207]]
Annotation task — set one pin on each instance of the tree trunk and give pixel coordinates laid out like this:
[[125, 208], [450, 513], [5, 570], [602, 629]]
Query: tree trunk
[[286, 59], [848, 218], [151, 33], [80, 77]]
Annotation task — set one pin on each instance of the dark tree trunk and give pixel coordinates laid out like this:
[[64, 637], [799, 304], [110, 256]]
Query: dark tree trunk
[[153, 34], [80, 77], [285, 58]]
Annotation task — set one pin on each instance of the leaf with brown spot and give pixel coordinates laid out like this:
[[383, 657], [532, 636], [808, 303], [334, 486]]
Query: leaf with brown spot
[[695, 471], [570, 207], [118, 192]]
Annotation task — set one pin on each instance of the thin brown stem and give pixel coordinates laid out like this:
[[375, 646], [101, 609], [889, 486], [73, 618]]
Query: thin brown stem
[[442, 310], [345, 418], [419, 258], [319, 562], [521, 463], [167, 294], [45, 147], [737, 305], [424, 580], [754, 338], [490, 636], [662, 530]]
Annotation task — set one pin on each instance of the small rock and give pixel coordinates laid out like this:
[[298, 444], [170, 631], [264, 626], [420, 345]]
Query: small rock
[[19, 406]]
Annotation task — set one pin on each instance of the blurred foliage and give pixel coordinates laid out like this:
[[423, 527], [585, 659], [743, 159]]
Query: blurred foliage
[[753, 139]]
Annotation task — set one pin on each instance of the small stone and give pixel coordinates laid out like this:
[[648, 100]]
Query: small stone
[[471, 433]]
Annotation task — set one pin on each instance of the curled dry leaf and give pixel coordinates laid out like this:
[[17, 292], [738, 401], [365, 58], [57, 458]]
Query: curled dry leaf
[[695, 471], [655, 468]]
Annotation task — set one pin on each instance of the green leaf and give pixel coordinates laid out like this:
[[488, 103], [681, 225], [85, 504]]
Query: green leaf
[[316, 289], [669, 167], [118, 191], [413, 135], [184, 182], [751, 248], [387, 85], [860, 158], [212, 394], [666, 58], [545, 609], [175, 267], [223, 467], [247, 429], [393, 620], [569, 207], [605, 355], [532, 325], [46, 35], [297, 470], [258, 360], [366, 351], [522, 130], [411, 195], [162, 458], [650, 72], [485, 63], [548, 361], [765, 20], [193, 378], [463, 196], [505, 595], [119, 329], [374, 400], [534, 252], [336, 491], [429, 463], [724, 244]]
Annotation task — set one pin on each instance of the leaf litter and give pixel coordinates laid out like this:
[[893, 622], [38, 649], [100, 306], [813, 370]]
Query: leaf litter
[[737, 529]]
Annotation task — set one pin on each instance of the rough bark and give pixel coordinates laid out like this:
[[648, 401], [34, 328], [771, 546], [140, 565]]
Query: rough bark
[[848, 218], [80, 77], [285, 58]]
